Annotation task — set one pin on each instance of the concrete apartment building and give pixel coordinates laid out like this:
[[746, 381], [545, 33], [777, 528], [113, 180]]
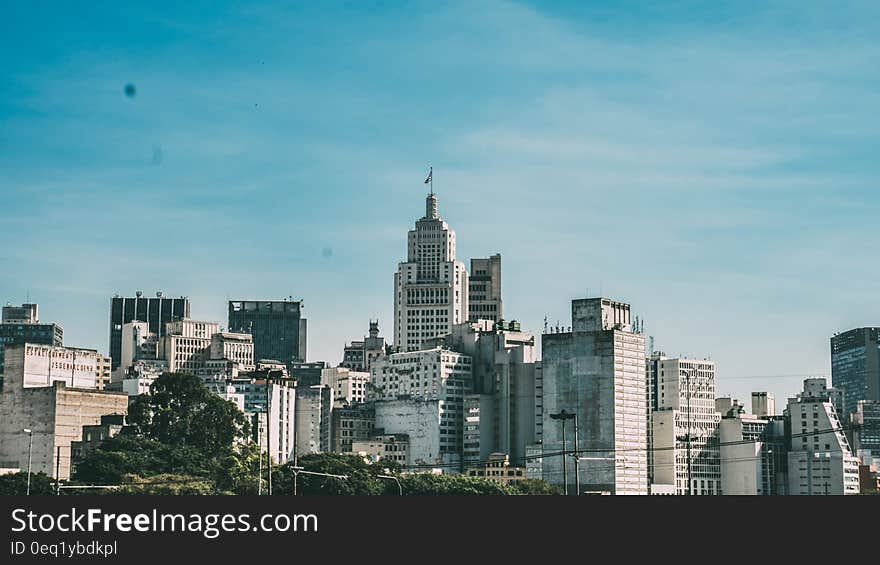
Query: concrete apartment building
[[51, 391], [431, 286], [820, 461], [484, 289], [855, 367], [496, 467], [597, 370], [684, 427], [351, 423], [501, 412], [314, 419]]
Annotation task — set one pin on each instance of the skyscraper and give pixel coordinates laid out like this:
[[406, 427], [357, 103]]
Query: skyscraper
[[855, 367], [431, 286], [596, 371], [278, 328], [155, 311], [484, 289]]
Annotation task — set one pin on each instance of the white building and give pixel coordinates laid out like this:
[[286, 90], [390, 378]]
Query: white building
[[187, 344], [685, 408], [235, 347], [752, 450], [349, 387], [422, 393], [597, 371], [431, 286], [820, 461]]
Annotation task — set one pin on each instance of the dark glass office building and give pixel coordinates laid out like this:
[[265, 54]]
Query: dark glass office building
[[155, 311], [277, 326], [855, 367]]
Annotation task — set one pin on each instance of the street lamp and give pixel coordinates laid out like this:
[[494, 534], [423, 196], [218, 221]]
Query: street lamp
[[30, 433], [395, 479], [563, 416]]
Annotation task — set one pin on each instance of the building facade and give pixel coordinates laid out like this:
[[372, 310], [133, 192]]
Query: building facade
[[484, 289], [50, 391], [596, 370], [156, 312], [684, 427], [820, 460], [351, 423], [360, 354], [314, 419], [349, 387], [431, 286], [855, 366], [187, 344], [21, 324], [383, 447], [278, 328]]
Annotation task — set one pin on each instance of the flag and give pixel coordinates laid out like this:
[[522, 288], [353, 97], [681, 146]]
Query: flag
[[430, 175]]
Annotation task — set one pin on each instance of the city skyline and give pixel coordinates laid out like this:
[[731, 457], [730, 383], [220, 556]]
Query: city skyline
[[718, 183]]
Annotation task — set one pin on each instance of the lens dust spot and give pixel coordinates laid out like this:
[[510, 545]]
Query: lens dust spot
[[130, 90], [327, 252]]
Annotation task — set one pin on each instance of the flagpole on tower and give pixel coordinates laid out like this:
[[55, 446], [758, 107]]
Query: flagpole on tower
[[430, 180]]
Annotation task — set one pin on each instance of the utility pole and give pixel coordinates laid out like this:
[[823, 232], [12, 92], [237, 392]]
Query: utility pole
[[30, 433], [577, 458], [690, 466], [57, 470], [563, 416]]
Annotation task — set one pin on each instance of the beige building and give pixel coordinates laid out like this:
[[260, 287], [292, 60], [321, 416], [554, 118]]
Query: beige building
[[187, 344], [383, 447], [52, 392], [102, 371], [497, 468], [235, 347]]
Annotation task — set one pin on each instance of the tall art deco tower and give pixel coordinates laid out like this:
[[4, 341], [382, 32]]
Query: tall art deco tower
[[431, 286]]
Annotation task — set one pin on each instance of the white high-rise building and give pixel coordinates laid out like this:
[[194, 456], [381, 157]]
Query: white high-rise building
[[431, 286], [685, 408], [820, 460]]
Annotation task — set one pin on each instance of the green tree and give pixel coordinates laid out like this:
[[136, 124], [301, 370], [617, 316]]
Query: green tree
[[167, 483], [128, 454], [16, 484], [362, 477], [536, 486], [448, 484], [180, 410]]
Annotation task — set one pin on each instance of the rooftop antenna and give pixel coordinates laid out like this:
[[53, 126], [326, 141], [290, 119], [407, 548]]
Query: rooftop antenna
[[545, 324]]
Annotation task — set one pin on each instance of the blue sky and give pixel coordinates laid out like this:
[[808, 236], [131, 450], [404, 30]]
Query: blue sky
[[711, 163]]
